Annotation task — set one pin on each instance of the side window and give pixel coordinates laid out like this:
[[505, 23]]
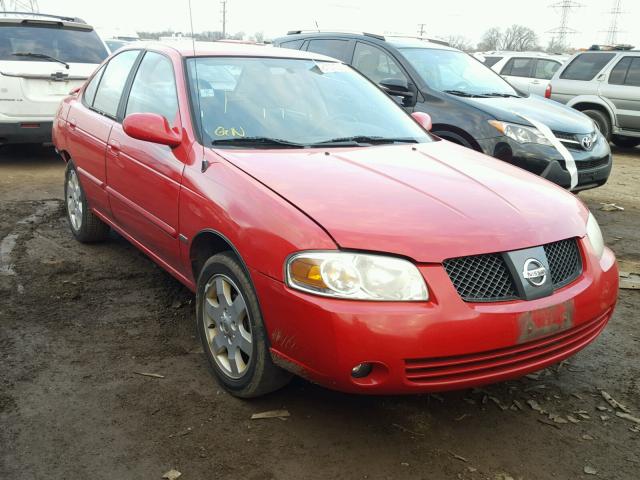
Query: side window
[[90, 91], [619, 72], [633, 75], [586, 66], [113, 79], [376, 64], [293, 44], [332, 48], [518, 67], [154, 88], [545, 69]]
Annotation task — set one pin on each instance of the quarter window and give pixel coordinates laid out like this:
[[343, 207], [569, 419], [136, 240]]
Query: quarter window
[[633, 75], [332, 48], [619, 72], [586, 66], [518, 67], [154, 88], [375, 64], [112, 83], [90, 91], [545, 69], [293, 44]]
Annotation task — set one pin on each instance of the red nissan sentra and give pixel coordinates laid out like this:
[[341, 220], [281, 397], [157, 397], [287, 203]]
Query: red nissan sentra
[[325, 232]]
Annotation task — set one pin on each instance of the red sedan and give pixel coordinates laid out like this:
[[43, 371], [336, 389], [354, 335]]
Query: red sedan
[[325, 232]]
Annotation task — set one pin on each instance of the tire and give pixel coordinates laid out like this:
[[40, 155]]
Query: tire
[[625, 142], [85, 226], [602, 121], [231, 330]]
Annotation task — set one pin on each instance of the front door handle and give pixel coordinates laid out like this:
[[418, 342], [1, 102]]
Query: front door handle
[[114, 148]]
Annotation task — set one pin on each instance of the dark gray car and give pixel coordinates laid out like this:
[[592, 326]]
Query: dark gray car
[[469, 103], [606, 86]]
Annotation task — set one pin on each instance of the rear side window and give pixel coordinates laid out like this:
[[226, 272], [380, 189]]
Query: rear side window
[[90, 92], [154, 88], [491, 61], [586, 66], [112, 83], [293, 44], [519, 67], [633, 75], [332, 48], [619, 72], [545, 69], [71, 46]]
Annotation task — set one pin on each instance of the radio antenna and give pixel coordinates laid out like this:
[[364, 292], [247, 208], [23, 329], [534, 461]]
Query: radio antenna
[[205, 163]]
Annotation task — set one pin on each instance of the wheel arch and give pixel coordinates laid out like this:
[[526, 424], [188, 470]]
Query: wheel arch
[[445, 128], [590, 103], [209, 242]]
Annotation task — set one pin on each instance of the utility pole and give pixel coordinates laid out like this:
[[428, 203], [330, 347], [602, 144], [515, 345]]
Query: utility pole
[[613, 31], [224, 18], [562, 31], [421, 29]]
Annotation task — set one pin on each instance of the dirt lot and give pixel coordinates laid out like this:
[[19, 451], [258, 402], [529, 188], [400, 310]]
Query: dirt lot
[[77, 321]]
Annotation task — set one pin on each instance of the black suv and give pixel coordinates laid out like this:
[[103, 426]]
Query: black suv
[[470, 104]]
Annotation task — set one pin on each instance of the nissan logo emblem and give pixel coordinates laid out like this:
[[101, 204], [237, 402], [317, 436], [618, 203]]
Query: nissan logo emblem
[[534, 272]]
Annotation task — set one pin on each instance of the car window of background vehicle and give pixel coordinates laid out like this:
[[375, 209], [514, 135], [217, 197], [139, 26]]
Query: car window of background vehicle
[[112, 83], [633, 74], [71, 46], [586, 65], [376, 64], [491, 61], [453, 70], [332, 48], [154, 88], [301, 101], [518, 67], [545, 69]]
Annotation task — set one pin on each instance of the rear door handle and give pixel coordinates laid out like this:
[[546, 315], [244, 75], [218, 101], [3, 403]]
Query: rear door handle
[[72, 124]]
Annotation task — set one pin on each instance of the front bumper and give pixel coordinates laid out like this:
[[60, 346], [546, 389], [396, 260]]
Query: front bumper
[[25, 132], [442, 344], [594, 166]]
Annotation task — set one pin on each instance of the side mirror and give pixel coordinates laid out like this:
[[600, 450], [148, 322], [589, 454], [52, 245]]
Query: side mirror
[[151, 127], [397, 87], [423, 119]]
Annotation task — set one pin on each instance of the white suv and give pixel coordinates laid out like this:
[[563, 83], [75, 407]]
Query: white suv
[[529, 72], [42, 58]]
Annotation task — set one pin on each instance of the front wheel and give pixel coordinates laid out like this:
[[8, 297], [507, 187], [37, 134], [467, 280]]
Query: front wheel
[[230, 326], [625, 142], [602, 121], [85, 226]]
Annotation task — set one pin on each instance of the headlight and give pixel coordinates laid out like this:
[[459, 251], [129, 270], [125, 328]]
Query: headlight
[[520, 133], [594, 234], [356, 276]]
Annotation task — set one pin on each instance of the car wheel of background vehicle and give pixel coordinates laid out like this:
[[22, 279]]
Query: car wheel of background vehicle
[[453, 137], [602, 120], [230, 326], [625, 142], [85, 226]]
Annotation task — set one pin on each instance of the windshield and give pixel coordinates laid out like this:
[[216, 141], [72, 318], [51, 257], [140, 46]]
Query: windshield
[[295, 101], [70, 46], [456, 72]]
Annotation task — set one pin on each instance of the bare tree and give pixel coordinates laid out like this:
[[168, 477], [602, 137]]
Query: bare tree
[[460, 42], [517, 38], [491, 40], [557, 46]]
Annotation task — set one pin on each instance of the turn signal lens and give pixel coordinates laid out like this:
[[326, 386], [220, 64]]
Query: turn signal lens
[[306, 271]]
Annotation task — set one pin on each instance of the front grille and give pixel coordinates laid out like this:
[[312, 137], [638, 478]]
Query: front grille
[[481, 278], [484, 367], [564, 261], [486, 278], [587, 164], [573, 140]]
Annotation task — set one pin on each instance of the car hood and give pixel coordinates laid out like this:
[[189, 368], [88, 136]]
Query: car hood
[[556, 116], [428, 202]]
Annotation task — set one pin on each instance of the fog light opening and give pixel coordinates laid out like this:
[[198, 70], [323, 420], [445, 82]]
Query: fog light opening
[[361, 370]]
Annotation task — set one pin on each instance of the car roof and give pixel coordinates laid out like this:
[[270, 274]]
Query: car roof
[[43, 19], [509, 53], [397, 41], [187, 48]]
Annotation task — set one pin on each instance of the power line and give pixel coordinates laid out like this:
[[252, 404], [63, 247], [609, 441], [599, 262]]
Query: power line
[[224, 18], [563, 30], [613, 31]]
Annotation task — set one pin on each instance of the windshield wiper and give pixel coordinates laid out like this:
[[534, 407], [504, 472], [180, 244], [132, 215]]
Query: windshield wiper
[[41, 55], [461, 93], [262, 141], [498, 94], [358, 140]]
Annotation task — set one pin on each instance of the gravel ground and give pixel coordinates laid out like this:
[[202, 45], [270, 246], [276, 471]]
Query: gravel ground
[[77, 322]]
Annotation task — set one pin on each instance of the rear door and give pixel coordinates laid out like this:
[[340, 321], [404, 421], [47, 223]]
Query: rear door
[[89, 123], [622, 88], [518, 71], [581, 76], [144, 178], [542, 73]]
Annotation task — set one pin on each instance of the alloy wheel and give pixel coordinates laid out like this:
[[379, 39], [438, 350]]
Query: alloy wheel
[[74, 200]]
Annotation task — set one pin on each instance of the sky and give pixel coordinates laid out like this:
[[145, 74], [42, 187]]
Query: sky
[[275, 17]]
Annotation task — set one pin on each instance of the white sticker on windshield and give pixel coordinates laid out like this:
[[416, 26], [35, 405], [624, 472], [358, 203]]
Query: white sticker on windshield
[[207, 92], [331, 67]]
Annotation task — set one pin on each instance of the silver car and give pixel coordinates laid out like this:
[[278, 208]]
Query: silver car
[[529, 72], [605, 85]]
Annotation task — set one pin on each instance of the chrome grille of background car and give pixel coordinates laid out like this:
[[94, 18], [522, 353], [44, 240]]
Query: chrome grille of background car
[[486, 278], [573, 140], [588, 164]]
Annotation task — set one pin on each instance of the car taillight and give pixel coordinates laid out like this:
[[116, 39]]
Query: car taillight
[[547, 91]]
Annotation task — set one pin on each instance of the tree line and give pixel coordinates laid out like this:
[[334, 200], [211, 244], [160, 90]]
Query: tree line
[[516, 38]]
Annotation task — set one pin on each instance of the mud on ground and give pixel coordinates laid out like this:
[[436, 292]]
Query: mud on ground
[[77, 322]]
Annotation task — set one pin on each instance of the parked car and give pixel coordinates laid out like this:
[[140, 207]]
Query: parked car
[[325, 232], [115, 44], [605, 85], [42, 58], [529, 72], [469, 103]]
